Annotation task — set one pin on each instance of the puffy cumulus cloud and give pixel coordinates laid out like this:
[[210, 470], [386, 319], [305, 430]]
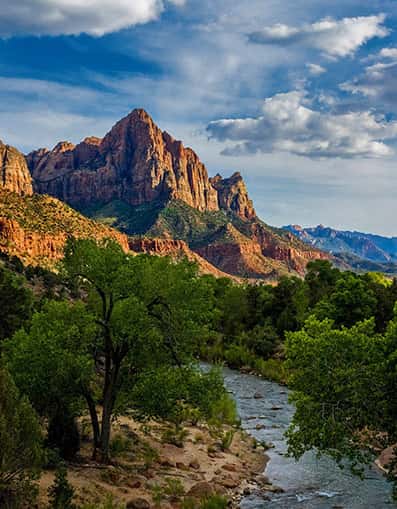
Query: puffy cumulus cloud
[[72, 17], [335, 38], [290, 123], [315, 69], [378, 82]]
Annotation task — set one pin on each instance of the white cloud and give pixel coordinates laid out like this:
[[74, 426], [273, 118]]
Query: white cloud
[[335, 38], [315, 69], [69, 17], [289, 123], [378, 82], [388, 53]]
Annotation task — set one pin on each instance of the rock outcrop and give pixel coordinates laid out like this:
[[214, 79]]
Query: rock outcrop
[[233, 195], [176, 249], [14, 173]]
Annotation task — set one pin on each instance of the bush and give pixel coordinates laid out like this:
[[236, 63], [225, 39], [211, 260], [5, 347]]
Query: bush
[[21, 452], [175, 436], [181, 395], [227, 439], [212, 502], [223, 411], [272, 369], [174, 488], [61, 493], [119, 445]]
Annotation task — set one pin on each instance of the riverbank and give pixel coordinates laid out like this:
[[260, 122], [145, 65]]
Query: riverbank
[[148, 471]]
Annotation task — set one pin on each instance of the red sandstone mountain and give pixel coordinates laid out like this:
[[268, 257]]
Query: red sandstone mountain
[[137, 163], [14, 173], [142, 181], [35, 227]]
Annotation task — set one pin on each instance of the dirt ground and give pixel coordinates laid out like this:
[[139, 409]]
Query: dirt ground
[[149, 471]]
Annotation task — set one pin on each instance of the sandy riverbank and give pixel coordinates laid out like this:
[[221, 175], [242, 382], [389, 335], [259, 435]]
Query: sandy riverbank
[[146, 468]]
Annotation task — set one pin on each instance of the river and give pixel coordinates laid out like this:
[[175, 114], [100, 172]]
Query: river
[[310, 483]]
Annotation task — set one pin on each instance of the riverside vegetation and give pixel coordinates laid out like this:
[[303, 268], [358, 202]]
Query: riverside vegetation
[[113, 336]]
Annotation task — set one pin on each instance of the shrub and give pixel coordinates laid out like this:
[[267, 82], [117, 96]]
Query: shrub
[[21, 453], [119, 445], [174, 488], [214, 502], [227, 439], [223, 411], [175, 436], [61, 493]]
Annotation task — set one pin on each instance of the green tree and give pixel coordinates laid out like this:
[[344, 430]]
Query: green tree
[[52, 363], [351, 301], [340, 385], [150, 311], [16, 302], [290, 305], [320, 279], [21, 452]]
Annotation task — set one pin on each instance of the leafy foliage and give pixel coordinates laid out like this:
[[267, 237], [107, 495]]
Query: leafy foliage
[[21, 453], [16, 303], [61, 493]]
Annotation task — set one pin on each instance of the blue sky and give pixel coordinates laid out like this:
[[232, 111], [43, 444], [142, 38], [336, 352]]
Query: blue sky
[[299, 95]]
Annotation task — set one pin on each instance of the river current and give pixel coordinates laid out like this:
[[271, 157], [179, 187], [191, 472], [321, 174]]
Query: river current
[[310, 483]]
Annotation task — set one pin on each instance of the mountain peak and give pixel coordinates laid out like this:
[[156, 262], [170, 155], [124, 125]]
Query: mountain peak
[[233, 195], [14, 173]]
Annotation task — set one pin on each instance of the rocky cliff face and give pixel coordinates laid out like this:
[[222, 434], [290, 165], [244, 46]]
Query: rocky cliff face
[[176, 249], [135, 162], [14, 173], [233, 195]]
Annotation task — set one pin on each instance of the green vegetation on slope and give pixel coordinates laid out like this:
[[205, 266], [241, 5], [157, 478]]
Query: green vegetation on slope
[[42, 214]]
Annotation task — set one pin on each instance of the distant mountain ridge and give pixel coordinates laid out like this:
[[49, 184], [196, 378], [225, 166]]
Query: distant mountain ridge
[[365, 246]]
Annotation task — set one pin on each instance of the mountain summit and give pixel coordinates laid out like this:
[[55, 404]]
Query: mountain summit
[[137, 163]]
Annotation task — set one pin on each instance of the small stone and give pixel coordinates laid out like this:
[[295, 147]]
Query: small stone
[[167, 462], [181, 466], [194, 464], [230, 483], [258, 395], [201, 490], [134, 484], [138, 503], [230, 467]]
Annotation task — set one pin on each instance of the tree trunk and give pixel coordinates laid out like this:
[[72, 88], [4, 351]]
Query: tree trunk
[[107, 412], [94, 423]]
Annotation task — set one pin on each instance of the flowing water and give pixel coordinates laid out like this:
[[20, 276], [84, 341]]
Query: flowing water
[[311, 482]]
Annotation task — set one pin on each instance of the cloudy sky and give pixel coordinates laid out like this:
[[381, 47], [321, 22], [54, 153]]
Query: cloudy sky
[[298, 95]]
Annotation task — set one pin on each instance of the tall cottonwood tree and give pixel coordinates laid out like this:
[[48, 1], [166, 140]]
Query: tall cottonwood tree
[[148, 310]]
